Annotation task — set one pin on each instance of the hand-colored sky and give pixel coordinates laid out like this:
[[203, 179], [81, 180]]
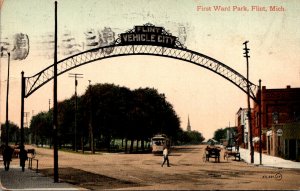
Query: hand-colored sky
[[210, 101]]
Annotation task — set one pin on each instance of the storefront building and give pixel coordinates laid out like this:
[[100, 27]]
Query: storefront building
[[283, 140], [280, 122]]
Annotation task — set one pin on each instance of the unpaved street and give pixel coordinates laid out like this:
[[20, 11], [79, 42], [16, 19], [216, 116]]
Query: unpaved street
[[144, 171]]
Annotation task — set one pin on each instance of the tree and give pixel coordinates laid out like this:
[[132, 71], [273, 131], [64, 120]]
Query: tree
[[224, 133], [13, 133], [195, 137], [41, 128], [220, 134], [190, 137], [107, 112], [117, 112], [66, 123]]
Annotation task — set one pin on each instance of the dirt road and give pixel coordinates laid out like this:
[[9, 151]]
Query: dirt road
[[144, 171]]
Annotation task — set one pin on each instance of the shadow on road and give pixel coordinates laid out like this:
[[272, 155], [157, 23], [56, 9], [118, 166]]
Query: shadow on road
[[89, 180]]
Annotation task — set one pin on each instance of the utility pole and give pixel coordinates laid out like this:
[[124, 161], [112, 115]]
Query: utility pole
[[90, 121], [55, 110], [7, 94], [26, 119], [248, 100], [260, 135], [75, 76]]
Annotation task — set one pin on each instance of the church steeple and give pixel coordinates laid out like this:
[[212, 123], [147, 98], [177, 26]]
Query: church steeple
[[188, 128]]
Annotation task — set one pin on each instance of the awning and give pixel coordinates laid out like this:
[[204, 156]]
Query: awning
[[269, 133]]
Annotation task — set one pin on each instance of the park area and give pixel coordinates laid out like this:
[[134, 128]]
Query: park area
[[188, 170]]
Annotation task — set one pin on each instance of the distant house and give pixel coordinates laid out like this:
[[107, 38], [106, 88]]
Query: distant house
[[242, 127], [212, 142]]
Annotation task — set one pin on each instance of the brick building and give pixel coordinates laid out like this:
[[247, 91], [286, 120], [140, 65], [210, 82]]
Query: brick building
[[284, 141], [280, 107]]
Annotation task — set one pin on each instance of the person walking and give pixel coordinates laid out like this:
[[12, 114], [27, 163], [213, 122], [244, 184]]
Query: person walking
[[7, 155], [23, 157], [166, 158]]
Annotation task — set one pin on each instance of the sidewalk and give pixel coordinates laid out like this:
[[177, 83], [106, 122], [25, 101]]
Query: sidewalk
[[15, 179], [268, 160]]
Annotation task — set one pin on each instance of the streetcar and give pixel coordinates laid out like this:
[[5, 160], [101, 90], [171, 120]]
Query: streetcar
[[159, 142]]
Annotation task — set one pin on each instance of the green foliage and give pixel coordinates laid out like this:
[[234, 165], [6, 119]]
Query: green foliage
[[41, 128], [190, 138], [13, 133], [106, 112], [222, 133]]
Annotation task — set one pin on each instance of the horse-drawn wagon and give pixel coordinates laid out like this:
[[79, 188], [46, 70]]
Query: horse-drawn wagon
[[212, 152]]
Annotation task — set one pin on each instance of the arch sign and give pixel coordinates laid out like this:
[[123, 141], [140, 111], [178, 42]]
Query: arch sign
[[148, 34]]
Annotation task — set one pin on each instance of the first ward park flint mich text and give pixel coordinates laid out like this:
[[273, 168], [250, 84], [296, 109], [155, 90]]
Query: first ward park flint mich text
[[254, 8]]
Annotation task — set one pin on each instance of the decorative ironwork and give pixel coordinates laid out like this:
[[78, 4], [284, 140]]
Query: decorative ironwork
[[38, 80]]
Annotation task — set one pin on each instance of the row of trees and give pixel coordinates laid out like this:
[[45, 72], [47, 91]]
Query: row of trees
[[106, 112]]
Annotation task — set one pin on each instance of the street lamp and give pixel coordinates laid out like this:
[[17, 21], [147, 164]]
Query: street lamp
[[7, 93]]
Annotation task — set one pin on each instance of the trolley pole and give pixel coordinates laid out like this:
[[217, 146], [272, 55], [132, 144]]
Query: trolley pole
[[248, 100]]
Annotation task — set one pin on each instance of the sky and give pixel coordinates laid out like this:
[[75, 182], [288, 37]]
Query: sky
[[210, 101]]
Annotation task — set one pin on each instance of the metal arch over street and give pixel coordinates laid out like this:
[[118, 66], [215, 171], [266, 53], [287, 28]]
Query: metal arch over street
[[38, 80], [144, 46]]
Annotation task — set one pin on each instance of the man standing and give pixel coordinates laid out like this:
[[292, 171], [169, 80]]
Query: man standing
[[7, 155], [23, 157], [165, 154]]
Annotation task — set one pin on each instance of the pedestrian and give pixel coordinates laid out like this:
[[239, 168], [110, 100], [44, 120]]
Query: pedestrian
[[7, 155], [23, 157], [166, 158]]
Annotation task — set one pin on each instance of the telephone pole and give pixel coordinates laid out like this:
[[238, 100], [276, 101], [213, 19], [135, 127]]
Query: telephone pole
[[90, 120], [7, 95], [55, 105], [75, 76], [248, 100]]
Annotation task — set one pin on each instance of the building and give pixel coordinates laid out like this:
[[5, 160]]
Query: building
[[283, 140], [242, 128], [188, 128], [280, 111]]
